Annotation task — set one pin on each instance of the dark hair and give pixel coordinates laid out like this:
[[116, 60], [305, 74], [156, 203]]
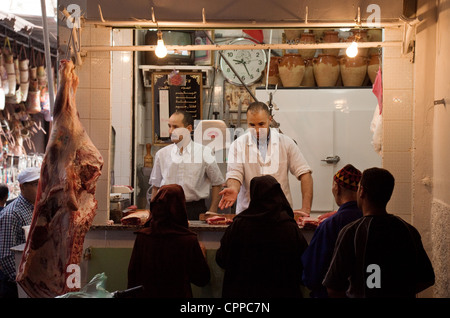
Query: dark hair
[[4, 191], [258, 106], [378, 184], [187, 118]]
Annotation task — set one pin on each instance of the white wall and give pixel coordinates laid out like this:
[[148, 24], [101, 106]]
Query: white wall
[[326, 122], [122, 106]]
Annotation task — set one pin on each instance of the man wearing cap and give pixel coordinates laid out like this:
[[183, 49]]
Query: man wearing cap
[[317, 256], [16, 214]]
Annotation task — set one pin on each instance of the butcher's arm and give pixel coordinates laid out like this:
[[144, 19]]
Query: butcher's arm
[[215, 198], [154, 191], [156, 175], [307, 192], [229, 194]]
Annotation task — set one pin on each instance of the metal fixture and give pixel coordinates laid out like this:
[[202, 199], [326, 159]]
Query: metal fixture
[[332, 160], [440, 102]]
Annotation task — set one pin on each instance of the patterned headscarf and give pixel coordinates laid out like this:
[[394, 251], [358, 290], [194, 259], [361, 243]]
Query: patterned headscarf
[[348, 177]]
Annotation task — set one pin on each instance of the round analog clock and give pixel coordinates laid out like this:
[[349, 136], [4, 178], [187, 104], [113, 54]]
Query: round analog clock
[[248, 64]]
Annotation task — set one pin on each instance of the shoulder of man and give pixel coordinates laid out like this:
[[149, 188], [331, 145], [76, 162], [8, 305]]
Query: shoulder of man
[[164, 150], [409, 226], [351, 227]]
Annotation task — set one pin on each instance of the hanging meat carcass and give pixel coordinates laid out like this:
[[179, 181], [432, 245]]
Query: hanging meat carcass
[[65, 205]]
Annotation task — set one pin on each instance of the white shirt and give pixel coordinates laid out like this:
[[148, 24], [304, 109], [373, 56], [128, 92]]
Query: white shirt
[[245, 162], [195, 170]]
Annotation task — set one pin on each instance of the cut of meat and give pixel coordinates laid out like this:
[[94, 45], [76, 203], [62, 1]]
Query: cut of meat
[[136, 218], [218, 220], [65, 204], [310, 223], [325, 216]]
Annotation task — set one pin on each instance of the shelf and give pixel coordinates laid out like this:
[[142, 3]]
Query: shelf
[[147, 69], [177, 67]]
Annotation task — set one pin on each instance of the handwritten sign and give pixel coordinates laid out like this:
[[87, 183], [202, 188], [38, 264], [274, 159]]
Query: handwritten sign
[[172, 91]]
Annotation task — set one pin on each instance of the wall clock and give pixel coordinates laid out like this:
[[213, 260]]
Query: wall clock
[[248, 64]]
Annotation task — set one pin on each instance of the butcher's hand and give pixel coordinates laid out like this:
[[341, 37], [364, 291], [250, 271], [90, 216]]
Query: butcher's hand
[[229, 196], [302, 213]]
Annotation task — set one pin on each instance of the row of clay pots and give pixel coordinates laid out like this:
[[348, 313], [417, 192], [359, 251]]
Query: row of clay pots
[[291, 70], [331, 36]]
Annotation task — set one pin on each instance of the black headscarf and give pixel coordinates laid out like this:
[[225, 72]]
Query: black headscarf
[[267, 200], [168, 213], [261, 250]]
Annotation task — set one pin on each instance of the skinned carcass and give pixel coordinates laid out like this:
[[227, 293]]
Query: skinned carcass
[[65, 204]]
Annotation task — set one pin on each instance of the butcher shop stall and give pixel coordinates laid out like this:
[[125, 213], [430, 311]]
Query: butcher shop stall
[[339, 81], [24, 94]]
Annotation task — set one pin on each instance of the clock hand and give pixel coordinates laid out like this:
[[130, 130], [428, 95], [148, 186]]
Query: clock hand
[[246, 68]]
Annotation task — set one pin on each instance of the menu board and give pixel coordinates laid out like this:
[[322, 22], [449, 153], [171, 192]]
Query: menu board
[[172, 91]]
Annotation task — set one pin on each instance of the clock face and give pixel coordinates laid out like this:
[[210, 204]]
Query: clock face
[[248, 64]]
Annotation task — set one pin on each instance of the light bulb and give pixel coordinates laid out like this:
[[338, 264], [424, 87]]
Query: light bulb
[[161, 50], [352, 50]]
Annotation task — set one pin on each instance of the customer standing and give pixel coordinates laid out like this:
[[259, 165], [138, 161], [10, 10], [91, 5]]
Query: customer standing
[[379, 255], [317, 256], [167, 256], [261, 250], [15, 215]]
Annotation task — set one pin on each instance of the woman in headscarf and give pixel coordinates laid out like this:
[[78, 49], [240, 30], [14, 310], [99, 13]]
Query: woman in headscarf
[[166, 256], [261, 250]]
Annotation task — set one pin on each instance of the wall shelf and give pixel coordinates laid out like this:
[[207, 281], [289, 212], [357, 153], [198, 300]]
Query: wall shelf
[[147, 69]]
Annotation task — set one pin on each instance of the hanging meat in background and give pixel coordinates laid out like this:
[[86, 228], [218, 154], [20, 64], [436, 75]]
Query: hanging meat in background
[[65, 205]]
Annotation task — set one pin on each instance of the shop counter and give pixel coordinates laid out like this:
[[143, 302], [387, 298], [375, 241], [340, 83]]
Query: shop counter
[[107, 248]]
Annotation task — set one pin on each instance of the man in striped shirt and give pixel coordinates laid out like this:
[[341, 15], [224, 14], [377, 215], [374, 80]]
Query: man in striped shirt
[[15, 215]]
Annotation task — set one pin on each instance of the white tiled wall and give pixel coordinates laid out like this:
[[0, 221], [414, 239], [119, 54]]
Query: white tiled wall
[[398, 84], [122, 106]]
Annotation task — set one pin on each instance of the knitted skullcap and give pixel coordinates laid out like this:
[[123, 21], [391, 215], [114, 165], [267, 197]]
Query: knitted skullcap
[[348, 177]]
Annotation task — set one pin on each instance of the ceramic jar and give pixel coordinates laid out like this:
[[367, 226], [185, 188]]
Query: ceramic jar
[[292, 35], [307, 38], [308, 77], [291, 69], [326, 70], [331, 37], [353, 70], [373, 66], [274, 77]]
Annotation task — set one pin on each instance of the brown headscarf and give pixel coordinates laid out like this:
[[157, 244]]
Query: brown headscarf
[[168, 213], [267, 199]]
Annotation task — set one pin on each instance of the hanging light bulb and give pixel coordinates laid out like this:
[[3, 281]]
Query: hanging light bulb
[[352, 50], [161, 50]]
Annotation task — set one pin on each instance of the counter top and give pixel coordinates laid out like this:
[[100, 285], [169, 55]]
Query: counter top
[[193, 225], [115, 227]]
